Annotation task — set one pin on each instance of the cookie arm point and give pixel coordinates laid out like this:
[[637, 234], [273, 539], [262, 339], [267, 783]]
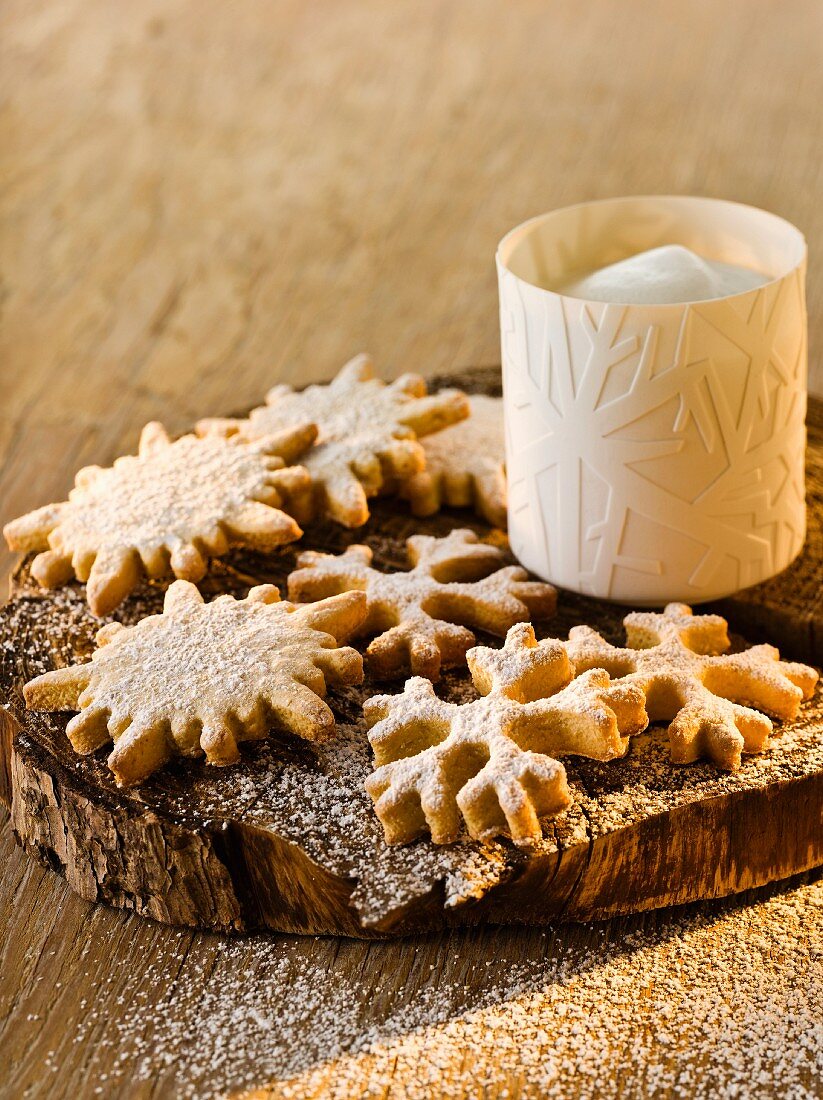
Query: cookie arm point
[[31, 531], [59, 689]]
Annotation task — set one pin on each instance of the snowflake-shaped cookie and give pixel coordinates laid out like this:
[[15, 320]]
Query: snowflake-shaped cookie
[[679, 661], [423, 614], [491, 764], [465, 465], [367, 432], [201, 677], [164, 510]]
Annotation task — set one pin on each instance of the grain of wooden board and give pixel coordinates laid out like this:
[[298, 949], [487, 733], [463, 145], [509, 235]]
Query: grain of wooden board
[[200, 201]]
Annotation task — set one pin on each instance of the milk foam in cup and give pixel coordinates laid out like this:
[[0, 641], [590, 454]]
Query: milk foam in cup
[[663, 276], [654, 383]]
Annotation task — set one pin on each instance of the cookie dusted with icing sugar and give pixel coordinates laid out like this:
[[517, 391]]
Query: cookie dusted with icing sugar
[[465, 465], [489, 766], [202, 677], [166, 509], [422, 616], [678, 659], [367, 433]]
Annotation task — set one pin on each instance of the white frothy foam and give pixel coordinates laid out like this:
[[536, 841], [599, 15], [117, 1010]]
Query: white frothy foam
[[663, 276]]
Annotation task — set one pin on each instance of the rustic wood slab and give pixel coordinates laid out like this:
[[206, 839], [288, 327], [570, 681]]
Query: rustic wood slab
[[224, 197], [288, 839]]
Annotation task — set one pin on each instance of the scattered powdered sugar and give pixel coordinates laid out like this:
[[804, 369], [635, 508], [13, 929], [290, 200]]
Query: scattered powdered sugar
[[719, 1000], [316, 798], [616, 795]]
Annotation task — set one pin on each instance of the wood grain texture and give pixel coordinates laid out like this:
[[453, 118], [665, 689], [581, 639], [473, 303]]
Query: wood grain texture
[[199, 201], [85, 993], [196, 206]]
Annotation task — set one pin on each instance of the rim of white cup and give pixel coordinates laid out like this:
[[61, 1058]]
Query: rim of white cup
[[795, 242]]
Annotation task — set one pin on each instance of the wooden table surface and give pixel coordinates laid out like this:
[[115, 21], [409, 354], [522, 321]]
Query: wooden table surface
[[201, 200]]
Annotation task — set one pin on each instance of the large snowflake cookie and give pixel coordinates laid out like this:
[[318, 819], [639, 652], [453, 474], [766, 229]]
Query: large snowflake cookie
[[706, 694], [465, 465], [422, 615], [367, 432], [491, 764], [201, 677], [164, 510]]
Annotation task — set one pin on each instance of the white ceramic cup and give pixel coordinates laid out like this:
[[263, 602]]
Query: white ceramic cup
[[654, 452]]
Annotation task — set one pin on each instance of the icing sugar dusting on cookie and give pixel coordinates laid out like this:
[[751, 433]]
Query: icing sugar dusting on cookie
[[422, 614], [465, 465], [367, 432], [164, 510], [490, 765], [202, 677], [679, 661]]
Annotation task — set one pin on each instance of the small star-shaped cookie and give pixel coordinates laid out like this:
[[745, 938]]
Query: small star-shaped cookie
[[465, 465], [367, 432], [166, 509], [679, 661], [490, 765], [202, 677], [422, 615]]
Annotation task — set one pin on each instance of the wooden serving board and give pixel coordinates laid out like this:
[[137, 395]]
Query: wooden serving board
[[288, 840]]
